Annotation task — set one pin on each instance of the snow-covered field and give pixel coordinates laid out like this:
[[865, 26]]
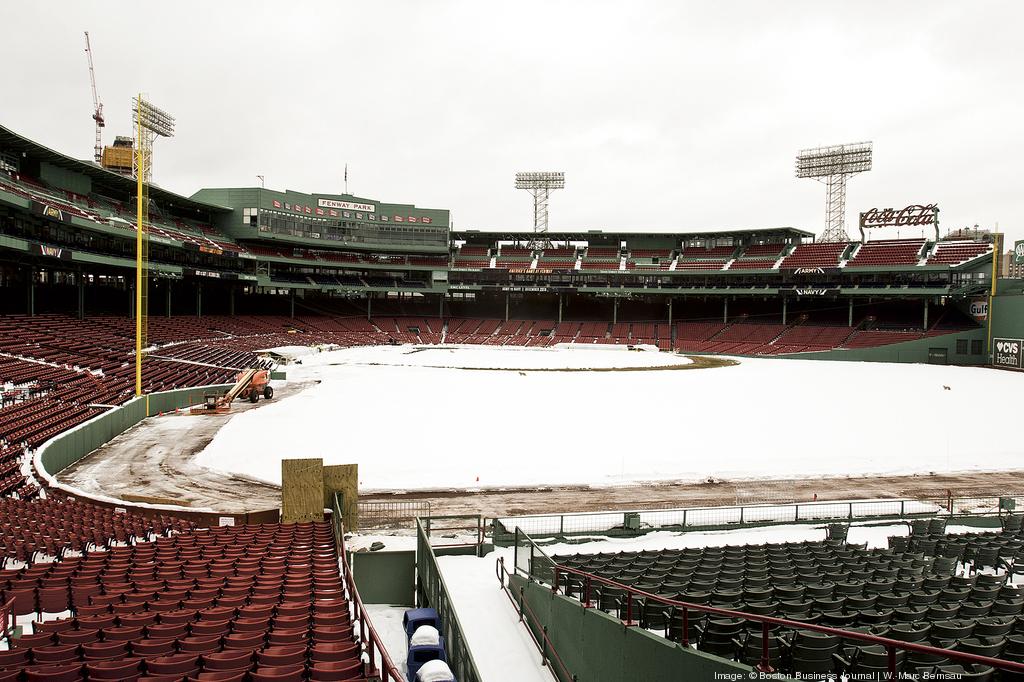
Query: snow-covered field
[[413, 418]]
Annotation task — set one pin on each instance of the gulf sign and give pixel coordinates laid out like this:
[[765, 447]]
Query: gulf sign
[[1007, 353]]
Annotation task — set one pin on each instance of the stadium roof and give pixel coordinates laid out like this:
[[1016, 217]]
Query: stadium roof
[[584, 235], [99, 175]]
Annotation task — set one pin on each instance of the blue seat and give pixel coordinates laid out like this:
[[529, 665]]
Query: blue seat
[[423, 653], [413, 618]]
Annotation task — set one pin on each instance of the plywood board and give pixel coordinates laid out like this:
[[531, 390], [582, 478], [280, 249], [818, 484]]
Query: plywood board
[[344, 479], [302, 490]]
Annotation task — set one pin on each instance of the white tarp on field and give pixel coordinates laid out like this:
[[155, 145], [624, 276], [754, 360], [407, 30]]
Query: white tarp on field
[[411, 418]]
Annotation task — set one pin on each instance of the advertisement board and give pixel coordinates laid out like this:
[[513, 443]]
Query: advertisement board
[[1007, 353]]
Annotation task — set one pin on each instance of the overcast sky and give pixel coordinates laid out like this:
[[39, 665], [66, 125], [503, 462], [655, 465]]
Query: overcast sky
[[664, 115]]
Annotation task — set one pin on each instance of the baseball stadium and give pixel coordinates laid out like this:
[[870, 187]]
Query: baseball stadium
[[258, 434]]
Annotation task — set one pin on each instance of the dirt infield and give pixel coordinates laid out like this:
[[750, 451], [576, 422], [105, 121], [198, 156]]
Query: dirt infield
[[155, 461], [665, 496]]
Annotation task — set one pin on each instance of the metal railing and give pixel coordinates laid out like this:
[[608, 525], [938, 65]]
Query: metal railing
[[371, 641], [390, 515], [451, 528], [7, 621], [526, 614], [685, 609], [432, 591], [637, 521]]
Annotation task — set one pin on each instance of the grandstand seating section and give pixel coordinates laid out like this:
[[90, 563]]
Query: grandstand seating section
[[817, 255], [753, 264], [173, 602], [57, 372], [946, 590], [956, 252], [700, 264], [722, 253], [888, 252]]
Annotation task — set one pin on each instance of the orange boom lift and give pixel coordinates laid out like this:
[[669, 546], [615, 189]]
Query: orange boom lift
[[249, 384]]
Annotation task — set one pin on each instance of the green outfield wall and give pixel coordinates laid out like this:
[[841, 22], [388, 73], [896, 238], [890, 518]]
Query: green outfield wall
[[69, 447], [960, 348], [597, 647]]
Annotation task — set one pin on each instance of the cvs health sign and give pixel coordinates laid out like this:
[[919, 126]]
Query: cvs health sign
[[1007, 353]]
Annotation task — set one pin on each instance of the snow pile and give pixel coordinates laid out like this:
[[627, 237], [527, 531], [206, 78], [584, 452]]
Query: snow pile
[[411, 421], [488, 617], [425, 634], [560, 357]]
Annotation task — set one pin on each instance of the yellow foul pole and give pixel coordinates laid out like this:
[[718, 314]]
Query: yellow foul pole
[[140, 175], [997, 249]]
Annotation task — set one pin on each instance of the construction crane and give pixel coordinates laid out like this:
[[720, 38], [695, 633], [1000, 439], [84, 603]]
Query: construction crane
[[97, 105]]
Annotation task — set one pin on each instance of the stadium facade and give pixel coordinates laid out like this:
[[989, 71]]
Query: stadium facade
[[235, 270], [67, 244]]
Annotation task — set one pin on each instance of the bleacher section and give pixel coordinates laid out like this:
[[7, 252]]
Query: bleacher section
[[952, 591], [957, 252], [650, 259], [758, 257], [816, 255], [699, 258], [557, 259], [601, 258], [889, 252]]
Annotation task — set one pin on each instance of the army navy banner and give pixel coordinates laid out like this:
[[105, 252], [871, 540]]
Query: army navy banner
[[51, 251], [49, 211]]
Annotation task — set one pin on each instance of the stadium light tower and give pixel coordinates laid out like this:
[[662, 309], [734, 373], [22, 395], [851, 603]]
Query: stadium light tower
[[540, 184], [150, 123], [832, 165]]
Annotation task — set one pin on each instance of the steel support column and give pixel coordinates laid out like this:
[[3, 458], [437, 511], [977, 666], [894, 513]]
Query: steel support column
[[80, 276]]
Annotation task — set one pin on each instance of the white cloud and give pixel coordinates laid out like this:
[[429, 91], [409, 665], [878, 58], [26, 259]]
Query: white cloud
[[663, 114]]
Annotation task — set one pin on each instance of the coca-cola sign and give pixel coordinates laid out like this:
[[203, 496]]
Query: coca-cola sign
[[915, 214]]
